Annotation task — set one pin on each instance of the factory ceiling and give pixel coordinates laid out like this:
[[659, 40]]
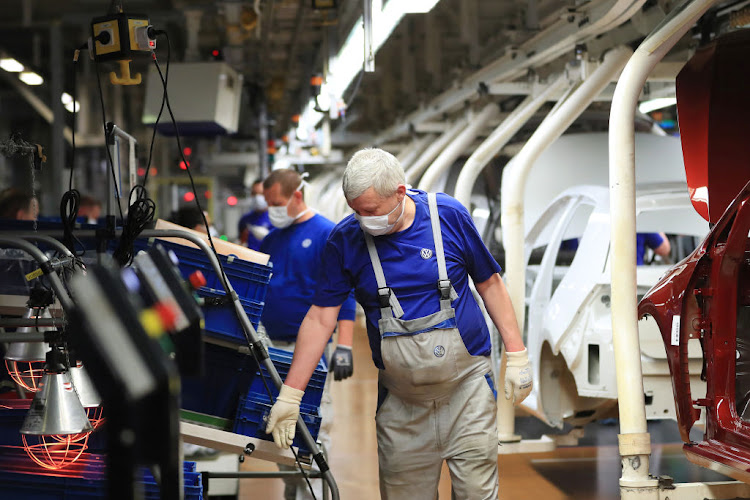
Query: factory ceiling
[[433, 66]]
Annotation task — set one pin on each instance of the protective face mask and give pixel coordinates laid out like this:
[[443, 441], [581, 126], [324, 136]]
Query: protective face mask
[[279, 216], [259, 203], [378, 225]]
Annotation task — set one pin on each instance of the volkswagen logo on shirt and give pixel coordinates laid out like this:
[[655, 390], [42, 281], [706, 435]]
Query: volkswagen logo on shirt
[[426, 253], [306, 242], [439, 351]]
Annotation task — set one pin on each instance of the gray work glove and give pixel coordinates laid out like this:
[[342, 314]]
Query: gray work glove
[[342, 363]]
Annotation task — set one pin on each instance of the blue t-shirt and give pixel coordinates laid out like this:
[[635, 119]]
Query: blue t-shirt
[[254, 218], [412, 278], [643, 240], [296, 253]]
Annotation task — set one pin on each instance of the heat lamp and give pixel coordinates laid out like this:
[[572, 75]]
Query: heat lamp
[[55, 431], [25, 360]]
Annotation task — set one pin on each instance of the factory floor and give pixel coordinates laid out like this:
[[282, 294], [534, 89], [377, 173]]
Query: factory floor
[[589, 471]]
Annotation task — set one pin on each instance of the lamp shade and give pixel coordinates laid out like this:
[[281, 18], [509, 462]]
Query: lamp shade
[[56, 408]]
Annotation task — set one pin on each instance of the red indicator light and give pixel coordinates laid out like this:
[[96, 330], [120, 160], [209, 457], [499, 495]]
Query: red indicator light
[[232, 201], [215, 53], [184, 166], [187, 151], [189, 196], [141, 171], [207, 194], [152, 44]]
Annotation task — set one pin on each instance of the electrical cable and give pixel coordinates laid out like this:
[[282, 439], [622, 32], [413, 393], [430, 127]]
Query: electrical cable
[[153, 33], [208, 233], [71, 200], [140, 214]]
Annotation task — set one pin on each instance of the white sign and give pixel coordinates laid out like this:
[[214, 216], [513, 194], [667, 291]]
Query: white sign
[[675, 330]]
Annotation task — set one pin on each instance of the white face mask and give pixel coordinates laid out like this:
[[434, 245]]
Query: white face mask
[[280, 217], [378, 225], [259, 203]]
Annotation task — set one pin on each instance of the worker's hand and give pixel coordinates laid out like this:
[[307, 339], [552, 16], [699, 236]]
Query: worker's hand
[[518, 382], [282, 420], [342, 363]]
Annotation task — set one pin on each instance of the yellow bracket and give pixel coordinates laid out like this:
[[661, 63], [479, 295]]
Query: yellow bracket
[[125, 72]]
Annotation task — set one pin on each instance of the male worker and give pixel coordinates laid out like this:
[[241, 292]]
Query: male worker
[[254, 225], [657, 242], [296, 249], [18, 205], [409, 255], [90, 208]]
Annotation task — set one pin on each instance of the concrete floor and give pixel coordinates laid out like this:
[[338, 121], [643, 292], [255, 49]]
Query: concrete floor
[[585, 472]]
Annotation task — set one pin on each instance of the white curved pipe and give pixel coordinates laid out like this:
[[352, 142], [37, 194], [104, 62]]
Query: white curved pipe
[[516, 174], [449, 155], [560, 38], [415, 170], [500, 137], [414, 149], [622, 212]]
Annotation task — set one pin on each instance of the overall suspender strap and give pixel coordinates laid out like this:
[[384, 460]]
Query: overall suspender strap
[[447, 292], [389, 304]]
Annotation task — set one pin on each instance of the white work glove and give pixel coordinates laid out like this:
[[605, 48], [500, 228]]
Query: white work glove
[[258, 232], [282, 420], [517, 376]]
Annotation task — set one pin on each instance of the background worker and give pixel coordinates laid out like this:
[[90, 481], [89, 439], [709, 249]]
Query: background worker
[[657, 242], [254, 225], [90, 208], [409, 255], [18, 205], [296, 249]]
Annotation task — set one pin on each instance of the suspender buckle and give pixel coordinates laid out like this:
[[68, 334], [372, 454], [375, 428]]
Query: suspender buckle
[[444, 286], [384, 297]]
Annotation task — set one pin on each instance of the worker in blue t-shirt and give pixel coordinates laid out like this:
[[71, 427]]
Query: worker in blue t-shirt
[[254, 225], [296, 248], [409, 256], [657, 242]]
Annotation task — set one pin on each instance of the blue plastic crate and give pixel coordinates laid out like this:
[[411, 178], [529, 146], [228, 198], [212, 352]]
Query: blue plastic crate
[[221, 321], [252, 414], [78, 481], [282, 360], [227, 375], [249, 280]]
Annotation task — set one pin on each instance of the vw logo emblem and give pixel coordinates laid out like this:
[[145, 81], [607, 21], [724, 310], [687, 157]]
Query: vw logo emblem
[[439, 351], [426, 253]]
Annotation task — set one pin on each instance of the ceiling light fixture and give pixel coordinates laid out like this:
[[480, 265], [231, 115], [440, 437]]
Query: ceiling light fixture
[[654, 104], [67, 101], [349, 60], [31, 78], [11, 65]]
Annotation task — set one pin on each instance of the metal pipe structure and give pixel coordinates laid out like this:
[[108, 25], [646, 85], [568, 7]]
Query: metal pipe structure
[[415, 170], [500, 137], [252, 340], [449, 155], [44, 264], [634, 440], [514, 187], [414, 149], [582, 23]]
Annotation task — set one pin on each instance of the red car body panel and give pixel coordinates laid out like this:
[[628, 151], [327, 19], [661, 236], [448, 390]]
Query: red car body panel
[[708, 293], [713, 104]]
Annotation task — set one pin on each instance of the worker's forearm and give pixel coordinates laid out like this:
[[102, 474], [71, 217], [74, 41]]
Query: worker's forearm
[[500, 308], [311, 341], [346, 332]]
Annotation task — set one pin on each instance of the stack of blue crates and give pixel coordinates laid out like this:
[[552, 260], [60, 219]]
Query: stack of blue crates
[[253, 409], [249, 280], [85, 480]]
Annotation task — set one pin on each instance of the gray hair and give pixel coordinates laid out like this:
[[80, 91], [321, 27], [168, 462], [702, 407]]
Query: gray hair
[[372, 168]]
